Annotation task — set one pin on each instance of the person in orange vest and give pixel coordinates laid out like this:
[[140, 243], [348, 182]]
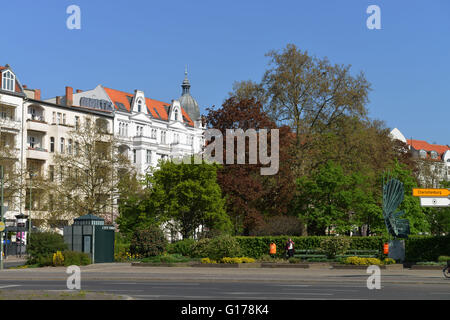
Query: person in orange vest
[[273, 249]]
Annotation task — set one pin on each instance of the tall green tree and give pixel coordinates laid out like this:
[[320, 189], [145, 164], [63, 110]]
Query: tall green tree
[[185, 196]]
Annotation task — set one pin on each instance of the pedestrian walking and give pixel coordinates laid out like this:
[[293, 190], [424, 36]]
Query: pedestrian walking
[[290, 248]]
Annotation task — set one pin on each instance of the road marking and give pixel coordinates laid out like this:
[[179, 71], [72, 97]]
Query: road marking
[[282, 293], [10, 286]]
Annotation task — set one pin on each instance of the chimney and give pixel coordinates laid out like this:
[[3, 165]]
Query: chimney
[[58, 100], [69, 96], [79, 91], [25, 86], [37, 94]]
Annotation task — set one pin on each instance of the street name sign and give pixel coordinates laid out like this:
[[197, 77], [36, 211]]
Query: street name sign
[[435, 202], [431, 193], [2, 226]]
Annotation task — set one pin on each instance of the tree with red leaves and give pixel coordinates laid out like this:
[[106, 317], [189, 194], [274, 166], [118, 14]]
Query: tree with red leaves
[[250, 196]]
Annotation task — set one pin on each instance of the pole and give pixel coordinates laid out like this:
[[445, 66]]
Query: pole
[[1, 219], [29, 217]]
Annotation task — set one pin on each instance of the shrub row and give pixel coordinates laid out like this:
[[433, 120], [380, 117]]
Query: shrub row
[[418, 248], [256, 247], [426, 248]]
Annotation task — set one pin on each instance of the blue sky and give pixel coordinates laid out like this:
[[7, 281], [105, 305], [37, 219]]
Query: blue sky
[[145, 45]]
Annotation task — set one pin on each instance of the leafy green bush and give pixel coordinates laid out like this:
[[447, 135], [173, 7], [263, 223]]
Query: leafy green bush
[[170, 258], [295, 260], [148, 242], [217, 248], [444, 259], [42, 246], [357, 261], [257, 247], [73, 258], [426, 248], [183, 247], [334, 246]]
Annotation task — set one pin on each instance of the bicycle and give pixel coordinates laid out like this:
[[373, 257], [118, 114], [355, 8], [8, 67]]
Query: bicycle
[[446, 270]]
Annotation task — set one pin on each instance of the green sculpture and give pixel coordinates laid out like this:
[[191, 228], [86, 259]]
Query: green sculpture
[[393, 194]]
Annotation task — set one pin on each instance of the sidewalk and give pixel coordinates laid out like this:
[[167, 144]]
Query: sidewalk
[[14, 259]]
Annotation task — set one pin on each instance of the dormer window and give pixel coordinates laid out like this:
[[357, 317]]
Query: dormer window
[[177, 115], [139, 105], [434, 155], [423, 154], [8, 81]]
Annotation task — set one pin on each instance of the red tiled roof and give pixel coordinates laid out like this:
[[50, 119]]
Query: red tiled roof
[[419, 144], [156, 108], [423, 145]]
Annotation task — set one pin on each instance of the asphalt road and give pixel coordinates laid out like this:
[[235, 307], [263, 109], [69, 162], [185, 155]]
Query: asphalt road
[[220, 290], [159, 283]]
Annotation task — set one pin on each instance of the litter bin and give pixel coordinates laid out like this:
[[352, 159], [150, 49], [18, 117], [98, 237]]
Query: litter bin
[[90, 235]]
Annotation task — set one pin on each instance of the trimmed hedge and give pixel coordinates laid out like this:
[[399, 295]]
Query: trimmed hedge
[[256, 247], [418, 248], [427, 248]]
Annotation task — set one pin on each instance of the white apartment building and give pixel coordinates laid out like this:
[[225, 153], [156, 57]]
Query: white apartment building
[[34, 129], [433, 160]]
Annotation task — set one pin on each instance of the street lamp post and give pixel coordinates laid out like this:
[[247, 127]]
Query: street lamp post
[[31, 204]]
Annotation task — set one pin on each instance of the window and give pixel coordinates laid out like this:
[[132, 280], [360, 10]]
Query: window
[[77, 122], [176, 115], [77, 149], [62, 145], [52, 144], [149, 156], [134, 156], [153, 136], [54, 117], [423, 154], [33, 113], [69, 147], [58, 118], [163, 137], [8, 81], [434, 155], [64, 118], [139, 104], [32, 142], [51, 174]]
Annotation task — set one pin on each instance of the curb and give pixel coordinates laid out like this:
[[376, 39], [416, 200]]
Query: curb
[[422, 267], [279, 265]]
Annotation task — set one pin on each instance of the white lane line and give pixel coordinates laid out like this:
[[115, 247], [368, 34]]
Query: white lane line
[[281, 293], [294, 285], [10, 286]]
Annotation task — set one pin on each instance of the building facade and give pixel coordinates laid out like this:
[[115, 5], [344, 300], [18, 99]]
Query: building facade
[[433, 160], [32, 131]]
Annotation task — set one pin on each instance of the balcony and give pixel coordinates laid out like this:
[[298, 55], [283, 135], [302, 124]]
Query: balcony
[[138, 140], [10, 123], [37, 125], [37, 153]]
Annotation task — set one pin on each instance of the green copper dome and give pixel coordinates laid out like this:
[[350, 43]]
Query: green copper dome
[[188, 103]]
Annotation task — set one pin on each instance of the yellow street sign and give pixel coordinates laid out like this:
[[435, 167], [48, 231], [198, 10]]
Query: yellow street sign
[[2, 226], [433, 193]]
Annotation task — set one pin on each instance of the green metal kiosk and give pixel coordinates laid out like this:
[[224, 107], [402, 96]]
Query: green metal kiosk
[[90, 235]]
